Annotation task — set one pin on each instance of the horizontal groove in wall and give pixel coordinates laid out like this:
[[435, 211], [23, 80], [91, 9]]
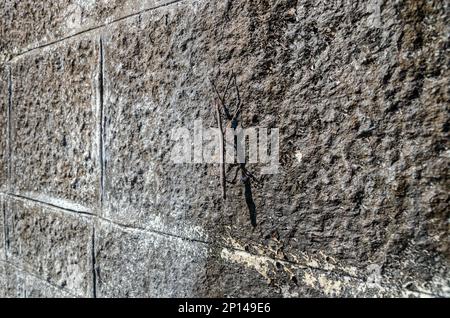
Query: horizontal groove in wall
[[153, 231], [232, 248], [47, 204]]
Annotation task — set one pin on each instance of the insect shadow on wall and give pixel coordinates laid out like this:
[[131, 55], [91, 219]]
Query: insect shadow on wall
[[231, 119]]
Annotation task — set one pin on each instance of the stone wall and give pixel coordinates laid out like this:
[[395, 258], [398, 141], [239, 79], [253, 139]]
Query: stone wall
[[93, 206]]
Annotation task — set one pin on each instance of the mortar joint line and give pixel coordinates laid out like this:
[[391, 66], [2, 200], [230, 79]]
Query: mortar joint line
[[101, 122], [101, 152], [9, 128], [207, 243], [47, 204]]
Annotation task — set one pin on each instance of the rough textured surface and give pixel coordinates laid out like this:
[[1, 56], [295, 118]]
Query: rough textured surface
[[3, 281], [24, 285], [28, 24], [4, 97], [2, 228], [145, 97], [52, 244], [132, 263], [359, 91], [54, 125], [366, 112]]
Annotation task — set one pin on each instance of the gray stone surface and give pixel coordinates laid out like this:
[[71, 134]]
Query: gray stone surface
[[29, 24], [362, 102], [359, 99], [3, 281], [145, 98], [52, 244], [4, 89], [133, 263], [238, 273], [55, 130], [359, 91], [2, 227], [24, 285]]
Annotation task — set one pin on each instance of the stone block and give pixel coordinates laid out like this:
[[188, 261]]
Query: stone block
[[146, 98], [354, 116], [52, 244], [24, 285], [238, 273], [132, 263], [55, 125]]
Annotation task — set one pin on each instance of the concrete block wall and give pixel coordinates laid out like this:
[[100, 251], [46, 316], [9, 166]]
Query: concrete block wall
[[93, 206]]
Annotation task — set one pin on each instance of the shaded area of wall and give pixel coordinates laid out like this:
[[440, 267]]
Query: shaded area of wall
[[93, 206]]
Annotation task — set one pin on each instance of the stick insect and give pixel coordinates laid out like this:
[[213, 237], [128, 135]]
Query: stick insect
[[232, 121]]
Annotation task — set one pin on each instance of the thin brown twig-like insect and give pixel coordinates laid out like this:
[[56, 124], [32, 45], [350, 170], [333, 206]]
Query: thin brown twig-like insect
[[246, 175], [221, 151], [222, 98], [233, 181], [233, 120], [226, 89]]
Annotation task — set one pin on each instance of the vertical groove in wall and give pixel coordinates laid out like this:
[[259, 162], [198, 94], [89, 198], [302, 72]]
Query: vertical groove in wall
[[5, 204], [5, 230], [9, 129], [94, 265], [101, 160], [101, 123]]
